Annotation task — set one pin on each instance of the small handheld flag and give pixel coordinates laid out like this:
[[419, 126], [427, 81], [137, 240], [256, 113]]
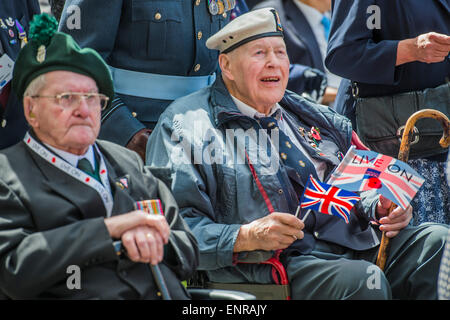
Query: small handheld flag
[[328, 199], [367, 170]]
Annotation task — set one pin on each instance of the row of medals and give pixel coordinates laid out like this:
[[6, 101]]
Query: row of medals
[[8, 24], [221, 6]]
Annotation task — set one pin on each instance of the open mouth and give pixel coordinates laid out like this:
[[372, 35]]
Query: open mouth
[[270, 79]]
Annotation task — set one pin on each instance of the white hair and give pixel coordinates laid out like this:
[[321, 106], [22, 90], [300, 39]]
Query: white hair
[[35, 86]]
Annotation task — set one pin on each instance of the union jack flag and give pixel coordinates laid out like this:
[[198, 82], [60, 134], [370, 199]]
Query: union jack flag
[[328, 199], [367, 170]]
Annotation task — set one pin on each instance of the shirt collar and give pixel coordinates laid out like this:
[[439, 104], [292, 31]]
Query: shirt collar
[[313, 15], [250, 112], [73, 158]]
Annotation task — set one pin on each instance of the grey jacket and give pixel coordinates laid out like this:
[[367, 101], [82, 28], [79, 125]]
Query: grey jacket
[[217, 192]]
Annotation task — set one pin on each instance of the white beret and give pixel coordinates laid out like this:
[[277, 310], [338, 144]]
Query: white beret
[[250, 26]]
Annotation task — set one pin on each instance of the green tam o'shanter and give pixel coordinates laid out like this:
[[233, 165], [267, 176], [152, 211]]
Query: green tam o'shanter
[[49, 50]]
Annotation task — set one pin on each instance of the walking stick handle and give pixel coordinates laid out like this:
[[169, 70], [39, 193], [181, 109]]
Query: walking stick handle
[[403, 155]]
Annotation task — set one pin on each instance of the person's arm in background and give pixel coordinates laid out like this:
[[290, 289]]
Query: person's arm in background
[[430, 47], [98, 28], [352, 53]]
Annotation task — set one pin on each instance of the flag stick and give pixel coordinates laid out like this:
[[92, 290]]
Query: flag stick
[[306, 214]]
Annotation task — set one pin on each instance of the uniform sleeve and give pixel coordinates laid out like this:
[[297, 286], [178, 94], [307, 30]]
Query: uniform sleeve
[[98, 30], [194, 187], [31, 262], [33, 8], [352, 51]]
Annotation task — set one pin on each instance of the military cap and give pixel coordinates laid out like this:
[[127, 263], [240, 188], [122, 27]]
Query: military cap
[[49, 50], [250, 26]]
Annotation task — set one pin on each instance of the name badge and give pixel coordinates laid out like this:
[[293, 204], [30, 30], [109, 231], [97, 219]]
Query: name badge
[[6, 70]]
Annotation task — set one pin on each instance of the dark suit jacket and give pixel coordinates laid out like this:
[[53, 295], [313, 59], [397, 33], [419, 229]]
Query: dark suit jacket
[[50, 221], [12, 122], [301, 44]]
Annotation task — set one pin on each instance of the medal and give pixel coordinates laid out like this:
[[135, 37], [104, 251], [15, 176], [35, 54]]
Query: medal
[[221, 6], [10, 22], [226, 4], [2, 24], [22, 33], [11, 33], [315, 133], [213, 7]]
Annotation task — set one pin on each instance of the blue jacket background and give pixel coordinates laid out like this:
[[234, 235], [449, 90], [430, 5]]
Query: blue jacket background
[[13, 124], [368, 57]]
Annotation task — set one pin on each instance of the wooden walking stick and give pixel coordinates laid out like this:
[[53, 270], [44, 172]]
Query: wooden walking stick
[[403, 155]]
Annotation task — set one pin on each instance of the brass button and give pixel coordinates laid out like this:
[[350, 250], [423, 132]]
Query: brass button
[[199, 35], [280, 191], [224, 15], [134, 114], [4, 123], [316, 234], [197, 3], [157, 16], [197, 67]]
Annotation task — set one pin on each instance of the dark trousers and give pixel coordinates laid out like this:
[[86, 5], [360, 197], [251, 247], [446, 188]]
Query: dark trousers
[[334, 272]]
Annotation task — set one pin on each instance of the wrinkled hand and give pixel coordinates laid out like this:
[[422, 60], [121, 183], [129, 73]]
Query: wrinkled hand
[[144, 244], [118, 225], [432, 47], [139, 142], [272, 232], [395, 221]]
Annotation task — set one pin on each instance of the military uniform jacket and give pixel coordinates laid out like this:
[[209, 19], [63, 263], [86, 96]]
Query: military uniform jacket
[[198, 144], [12, 121], [301, 44], [50, 221], [160, 37]]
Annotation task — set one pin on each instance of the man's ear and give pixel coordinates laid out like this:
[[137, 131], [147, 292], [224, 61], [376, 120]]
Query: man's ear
[[225, 65], [28, 111]]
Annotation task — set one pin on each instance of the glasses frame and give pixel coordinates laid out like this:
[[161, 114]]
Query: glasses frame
[[79, 94]]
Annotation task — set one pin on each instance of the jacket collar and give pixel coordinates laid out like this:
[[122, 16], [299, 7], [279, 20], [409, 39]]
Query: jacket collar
[[223, 107]]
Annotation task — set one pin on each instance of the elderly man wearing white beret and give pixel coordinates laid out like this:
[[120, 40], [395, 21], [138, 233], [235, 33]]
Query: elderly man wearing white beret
[[238, 155]]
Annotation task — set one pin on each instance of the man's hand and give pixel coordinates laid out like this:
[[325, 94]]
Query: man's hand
[[272, 232], [430, 47], [118, 225], [139, 142], [395, 221], [144, 244]]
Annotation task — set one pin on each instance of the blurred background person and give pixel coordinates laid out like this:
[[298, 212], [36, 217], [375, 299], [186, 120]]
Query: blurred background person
[[395, 54], [14, 24], [306, 26]]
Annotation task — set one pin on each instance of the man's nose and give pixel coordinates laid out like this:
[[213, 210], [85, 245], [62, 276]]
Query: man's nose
[[83, 108], [272, 59]]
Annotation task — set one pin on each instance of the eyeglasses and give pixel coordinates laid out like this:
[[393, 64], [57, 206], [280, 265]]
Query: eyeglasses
[[71, 100]]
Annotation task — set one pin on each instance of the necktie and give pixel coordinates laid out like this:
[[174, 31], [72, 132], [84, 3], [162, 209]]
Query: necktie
[[289, 153], [85, 166], [326, 22]]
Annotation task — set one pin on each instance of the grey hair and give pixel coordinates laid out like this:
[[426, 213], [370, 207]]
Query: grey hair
[[35, 86]]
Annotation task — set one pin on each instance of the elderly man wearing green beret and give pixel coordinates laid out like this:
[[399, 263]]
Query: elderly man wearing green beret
[[238, 156], [67, 198]]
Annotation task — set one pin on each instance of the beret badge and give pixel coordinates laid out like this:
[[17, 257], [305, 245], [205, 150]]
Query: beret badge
[[42, 29]]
